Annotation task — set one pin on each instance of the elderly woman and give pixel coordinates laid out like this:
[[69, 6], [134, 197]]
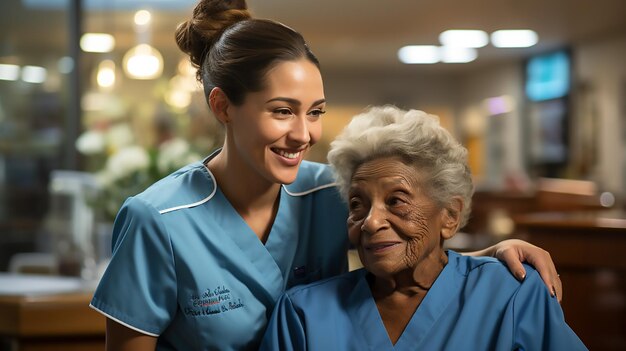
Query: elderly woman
[[409, 189]]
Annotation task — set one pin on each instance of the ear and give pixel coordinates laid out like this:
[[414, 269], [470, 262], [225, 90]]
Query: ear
[[451, 217], [219, 103]]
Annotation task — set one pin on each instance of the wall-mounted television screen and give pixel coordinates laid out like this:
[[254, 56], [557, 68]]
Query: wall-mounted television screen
[[548, 76]]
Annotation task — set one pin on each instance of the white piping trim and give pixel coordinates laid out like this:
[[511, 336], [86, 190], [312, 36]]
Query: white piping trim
[[195, 203], [124, 324], [310, 190]]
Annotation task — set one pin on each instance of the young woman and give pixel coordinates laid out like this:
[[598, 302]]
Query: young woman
[[200, 257]]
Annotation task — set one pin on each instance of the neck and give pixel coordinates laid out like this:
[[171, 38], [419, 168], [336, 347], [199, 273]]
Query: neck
[[255, 199], [414, 280], [244, 192], [398, 297]]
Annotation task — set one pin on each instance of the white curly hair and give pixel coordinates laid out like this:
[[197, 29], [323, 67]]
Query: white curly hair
[[416, 137]]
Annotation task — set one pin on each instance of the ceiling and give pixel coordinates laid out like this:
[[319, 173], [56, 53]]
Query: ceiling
[[345, 34]]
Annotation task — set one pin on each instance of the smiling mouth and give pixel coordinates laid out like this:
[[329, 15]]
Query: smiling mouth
[[287, 154], [381, 246]]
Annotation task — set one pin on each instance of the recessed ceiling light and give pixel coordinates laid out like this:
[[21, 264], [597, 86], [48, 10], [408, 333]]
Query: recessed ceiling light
[[514, 38], [34, 74], [9, 72], [458, 54], [466, 38], [419, 54]]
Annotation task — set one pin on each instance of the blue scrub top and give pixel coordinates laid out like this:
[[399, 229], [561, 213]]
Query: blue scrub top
[[187, 269], [475, 304]]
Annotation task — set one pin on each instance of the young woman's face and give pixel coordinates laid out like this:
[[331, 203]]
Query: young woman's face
[[274, 128]]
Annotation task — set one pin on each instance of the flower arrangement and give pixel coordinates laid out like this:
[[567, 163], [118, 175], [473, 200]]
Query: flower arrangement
[[129, 168]]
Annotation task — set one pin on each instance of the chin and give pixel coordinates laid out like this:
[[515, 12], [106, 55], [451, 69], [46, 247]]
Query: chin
[[286, 177], [381, 269]]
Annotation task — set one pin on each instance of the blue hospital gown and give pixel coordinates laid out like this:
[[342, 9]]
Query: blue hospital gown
[[475, 304]]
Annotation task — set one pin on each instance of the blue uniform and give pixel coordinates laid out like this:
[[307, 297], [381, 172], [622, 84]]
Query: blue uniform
[[188, 269], [475, 304]]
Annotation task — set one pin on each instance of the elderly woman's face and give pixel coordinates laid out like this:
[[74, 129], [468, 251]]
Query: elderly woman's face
[[392, 222]]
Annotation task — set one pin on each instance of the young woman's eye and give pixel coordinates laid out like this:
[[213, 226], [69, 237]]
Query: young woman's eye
[[317, 113], [283, 111]]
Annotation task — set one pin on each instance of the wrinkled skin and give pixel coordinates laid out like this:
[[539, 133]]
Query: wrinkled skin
[[395, 226]]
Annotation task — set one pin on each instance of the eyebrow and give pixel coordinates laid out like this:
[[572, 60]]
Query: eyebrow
[[393, 182], [294, 101]]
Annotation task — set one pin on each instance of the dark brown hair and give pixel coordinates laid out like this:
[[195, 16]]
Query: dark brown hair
[[233, 51]]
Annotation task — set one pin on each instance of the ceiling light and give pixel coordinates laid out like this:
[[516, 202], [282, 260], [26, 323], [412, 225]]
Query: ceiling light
[[142, 17], [466, 38], [106, 74], [143, 62], [514, 38], [178, 99], [419, 54], [458, 54], [34, 74], [97, 42], [9, 72]]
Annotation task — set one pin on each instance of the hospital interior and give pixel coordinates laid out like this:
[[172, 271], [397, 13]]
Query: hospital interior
[[97, 102]]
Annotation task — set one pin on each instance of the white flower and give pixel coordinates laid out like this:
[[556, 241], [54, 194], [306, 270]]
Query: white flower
[[174, 154], [91, 143], [127, 161], [119, 136]]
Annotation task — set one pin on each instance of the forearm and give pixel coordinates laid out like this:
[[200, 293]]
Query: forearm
[[121, 338], [483, 252]]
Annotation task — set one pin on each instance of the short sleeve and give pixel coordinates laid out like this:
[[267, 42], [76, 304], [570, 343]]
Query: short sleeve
[[138, 288], [538, 320], [285, 330]]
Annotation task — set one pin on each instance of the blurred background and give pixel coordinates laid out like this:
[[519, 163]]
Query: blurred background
[[97, 102]]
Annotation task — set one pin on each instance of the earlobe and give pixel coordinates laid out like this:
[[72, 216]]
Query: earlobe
[[218, 102], [451, 218]]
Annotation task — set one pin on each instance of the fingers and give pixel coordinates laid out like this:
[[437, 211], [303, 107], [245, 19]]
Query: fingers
[[513, 252], [513, 262], [543, 263], [558, 288]]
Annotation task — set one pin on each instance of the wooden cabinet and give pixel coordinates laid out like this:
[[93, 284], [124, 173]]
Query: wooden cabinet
[[58, 322], [589, 250]]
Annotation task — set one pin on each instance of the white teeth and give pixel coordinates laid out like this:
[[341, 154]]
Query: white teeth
[[290, 155]]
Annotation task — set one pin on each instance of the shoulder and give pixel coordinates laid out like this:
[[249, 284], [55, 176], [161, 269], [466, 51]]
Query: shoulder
[[484, 273], [327, 288], [486, 269], [312, 177], [489, 283], [187, 187]]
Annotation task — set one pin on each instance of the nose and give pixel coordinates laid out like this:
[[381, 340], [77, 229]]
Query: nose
[[375, 220], [299, 131]]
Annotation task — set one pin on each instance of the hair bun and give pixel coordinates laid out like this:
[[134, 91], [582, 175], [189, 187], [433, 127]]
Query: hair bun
[[210, 18]]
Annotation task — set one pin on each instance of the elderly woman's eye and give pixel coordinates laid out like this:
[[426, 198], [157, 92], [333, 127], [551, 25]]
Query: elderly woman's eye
[[354, 204], [396, 201]]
